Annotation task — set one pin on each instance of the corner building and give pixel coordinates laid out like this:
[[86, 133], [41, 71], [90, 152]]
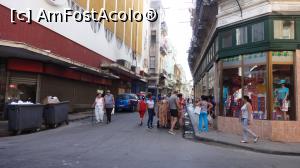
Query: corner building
[[249, 48]]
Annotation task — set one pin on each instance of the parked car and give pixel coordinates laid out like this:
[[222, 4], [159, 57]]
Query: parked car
[[126, 101]]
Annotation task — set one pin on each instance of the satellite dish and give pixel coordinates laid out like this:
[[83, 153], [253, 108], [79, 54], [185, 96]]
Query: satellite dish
[[56, 2]]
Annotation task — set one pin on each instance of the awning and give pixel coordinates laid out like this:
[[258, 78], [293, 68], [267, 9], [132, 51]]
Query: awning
[[123, 71], [12, 49]]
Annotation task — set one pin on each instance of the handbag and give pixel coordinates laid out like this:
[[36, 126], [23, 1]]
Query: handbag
[[197, 110], [209, 118], [113, 111]]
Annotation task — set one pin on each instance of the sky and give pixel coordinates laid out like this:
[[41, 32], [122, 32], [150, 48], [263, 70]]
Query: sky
[[180, 31]]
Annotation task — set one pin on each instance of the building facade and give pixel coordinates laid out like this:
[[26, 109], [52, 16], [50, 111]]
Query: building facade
[[249, 48], [158, 52], [70, 59]]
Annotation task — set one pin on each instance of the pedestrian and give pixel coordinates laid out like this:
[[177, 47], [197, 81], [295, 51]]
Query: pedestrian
[[151, 112], [109, 105], [211, 113], [181, 109], [142, 107], [205, 107], [163, 112], [99, 107], [247, 119], [173, 105]]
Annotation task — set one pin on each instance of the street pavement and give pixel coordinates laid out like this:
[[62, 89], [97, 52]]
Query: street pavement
[[263, 145], [123, 144]]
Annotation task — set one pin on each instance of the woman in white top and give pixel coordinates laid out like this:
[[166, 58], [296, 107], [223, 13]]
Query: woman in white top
[[247, 119], [205, 106], [151, 113], [99, 107]]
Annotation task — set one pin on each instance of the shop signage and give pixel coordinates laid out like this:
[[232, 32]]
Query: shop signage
[[234, 61], [256, 58], [282, 53], [282, 56]]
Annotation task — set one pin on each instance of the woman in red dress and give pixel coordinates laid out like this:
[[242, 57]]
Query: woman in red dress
[[142, 107], [181, 109]]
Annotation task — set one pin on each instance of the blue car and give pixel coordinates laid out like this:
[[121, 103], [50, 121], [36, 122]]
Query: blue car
[[126, 101]]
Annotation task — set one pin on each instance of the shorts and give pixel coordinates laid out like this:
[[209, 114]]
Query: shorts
[[174, 113]]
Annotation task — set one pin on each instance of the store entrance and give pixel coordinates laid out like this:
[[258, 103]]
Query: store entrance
[[3, 79]]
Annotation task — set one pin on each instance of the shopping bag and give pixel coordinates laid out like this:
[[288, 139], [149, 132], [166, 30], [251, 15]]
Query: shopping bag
[[209, 118], [197, 110], [113, 111]]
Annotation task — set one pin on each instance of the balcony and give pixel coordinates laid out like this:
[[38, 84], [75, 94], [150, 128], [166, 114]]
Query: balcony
[[164, 74]]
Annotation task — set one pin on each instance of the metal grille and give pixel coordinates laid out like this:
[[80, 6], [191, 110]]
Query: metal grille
[[22, 78]]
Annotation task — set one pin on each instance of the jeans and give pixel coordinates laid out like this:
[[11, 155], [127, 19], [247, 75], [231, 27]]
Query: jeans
[[150, 117], [203, 116], [246, 130], [108, 114]]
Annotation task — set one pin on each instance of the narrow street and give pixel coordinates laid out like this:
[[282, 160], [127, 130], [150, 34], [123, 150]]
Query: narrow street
[[124, 144]]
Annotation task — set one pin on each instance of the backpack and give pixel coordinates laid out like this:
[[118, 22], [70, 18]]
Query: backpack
[[142, 106]]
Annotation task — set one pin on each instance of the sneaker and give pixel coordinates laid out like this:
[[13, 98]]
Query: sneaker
[[244, 141], [171, 132], [256, 139]]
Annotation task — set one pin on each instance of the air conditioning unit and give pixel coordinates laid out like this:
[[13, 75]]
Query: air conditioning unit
[[124, 63]]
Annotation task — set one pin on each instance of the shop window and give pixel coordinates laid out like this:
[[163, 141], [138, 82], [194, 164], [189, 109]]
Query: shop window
[[241, 36], [283, 87], [227, 39], [232, 87], [255, 83], [258, 32], [284, 29], [211, 81], [232, 92]]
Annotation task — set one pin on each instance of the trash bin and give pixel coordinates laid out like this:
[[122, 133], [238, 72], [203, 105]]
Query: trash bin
[[24, 117], [56, 113]]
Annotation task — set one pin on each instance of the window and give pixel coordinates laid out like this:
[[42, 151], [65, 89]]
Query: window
[[153, 36], [255, 83], [232, 91], [153, 50], [152, 62], [232, 86], [283, 86], [241, 36], [284, 29], [217, 45], [258, 32], [227, 39]]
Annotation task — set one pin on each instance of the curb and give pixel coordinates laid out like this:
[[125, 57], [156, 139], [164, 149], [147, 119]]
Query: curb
[[78, 119], [274, 152], [266, 151]]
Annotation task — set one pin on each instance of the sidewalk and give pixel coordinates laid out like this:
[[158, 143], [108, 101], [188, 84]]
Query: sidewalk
[[72, 117], [263, 146]]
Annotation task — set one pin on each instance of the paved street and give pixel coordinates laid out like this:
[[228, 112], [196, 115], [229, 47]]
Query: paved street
[[123, 144]]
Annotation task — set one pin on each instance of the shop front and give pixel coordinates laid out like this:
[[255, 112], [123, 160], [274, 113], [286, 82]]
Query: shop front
[[32, 81], [269, 79]]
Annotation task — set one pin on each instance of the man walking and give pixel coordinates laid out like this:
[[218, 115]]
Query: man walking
[[109, 105], [174, 104]]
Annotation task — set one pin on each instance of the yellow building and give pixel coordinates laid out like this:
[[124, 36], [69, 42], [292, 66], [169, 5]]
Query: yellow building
[[129, 32]]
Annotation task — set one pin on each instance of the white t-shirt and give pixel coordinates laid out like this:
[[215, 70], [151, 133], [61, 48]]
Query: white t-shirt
[[99, 101], [150, 104]]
